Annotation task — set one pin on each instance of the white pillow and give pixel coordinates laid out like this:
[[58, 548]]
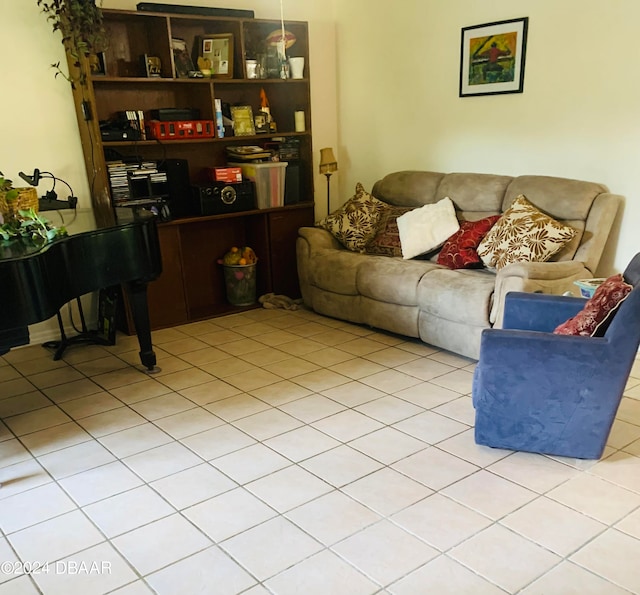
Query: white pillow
[[427, 228]]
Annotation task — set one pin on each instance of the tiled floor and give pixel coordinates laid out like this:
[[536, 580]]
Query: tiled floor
[[282, 452]]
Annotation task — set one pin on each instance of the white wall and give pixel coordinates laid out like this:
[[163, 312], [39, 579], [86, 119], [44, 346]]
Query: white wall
[[578, 117]]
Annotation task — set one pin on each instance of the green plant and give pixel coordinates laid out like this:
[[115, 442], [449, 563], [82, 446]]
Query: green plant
[[6, 187], [30, 226], [82, 28]]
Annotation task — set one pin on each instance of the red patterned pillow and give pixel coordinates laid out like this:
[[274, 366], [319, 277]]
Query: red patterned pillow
[[387, 239], [599, 310], [459, 251]]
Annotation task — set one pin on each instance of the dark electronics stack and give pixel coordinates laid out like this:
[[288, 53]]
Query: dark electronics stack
[[289, 151]]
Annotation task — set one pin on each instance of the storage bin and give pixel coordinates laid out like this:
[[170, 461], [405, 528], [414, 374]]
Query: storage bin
[[240, 281], [269, 179]]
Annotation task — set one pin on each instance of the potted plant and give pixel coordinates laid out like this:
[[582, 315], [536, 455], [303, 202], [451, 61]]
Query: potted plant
[[83, 32]]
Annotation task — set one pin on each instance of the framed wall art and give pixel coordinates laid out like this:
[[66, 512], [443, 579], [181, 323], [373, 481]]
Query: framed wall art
[[243, 124], [492, 58], [218, 50]]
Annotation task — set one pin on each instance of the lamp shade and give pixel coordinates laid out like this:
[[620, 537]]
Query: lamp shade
[[328, 163]]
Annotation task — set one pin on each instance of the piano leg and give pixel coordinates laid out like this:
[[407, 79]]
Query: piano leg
[[137, 291]]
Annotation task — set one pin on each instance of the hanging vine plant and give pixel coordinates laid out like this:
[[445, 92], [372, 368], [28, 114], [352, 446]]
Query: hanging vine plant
[[83, 32]]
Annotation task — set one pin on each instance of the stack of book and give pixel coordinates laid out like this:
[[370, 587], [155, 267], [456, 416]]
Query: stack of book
[[248, 153], [135, 119]]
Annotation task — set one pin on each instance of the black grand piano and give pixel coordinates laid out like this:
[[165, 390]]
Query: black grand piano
[[36, 281]]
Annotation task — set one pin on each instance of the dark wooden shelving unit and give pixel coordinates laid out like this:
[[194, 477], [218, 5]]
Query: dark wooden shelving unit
[[191, 286]]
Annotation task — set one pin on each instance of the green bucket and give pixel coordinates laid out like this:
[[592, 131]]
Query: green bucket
[[240, 280]]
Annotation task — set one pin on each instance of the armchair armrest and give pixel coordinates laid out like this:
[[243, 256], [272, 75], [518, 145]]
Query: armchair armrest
[[542, 277], [318, 239], [538, 311]]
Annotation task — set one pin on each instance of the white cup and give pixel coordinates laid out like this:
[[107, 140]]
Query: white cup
[[252, 66], [296, 67]]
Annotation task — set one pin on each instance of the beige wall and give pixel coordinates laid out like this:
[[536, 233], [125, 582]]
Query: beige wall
[[578, 116], [385, 95]]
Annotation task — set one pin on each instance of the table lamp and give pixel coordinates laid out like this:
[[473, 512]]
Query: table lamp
[[328, 165]]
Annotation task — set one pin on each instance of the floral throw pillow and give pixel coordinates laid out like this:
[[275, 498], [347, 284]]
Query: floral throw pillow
[[460, 250], [386, 242], [594, 319], [523, 234], [355, 223]]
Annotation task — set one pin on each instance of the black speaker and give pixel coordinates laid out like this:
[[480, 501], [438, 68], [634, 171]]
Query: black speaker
[[292, 183], [224, 197], [179, 186]]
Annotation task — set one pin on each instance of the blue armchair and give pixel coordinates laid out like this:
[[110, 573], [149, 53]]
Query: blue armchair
[[556, 394]]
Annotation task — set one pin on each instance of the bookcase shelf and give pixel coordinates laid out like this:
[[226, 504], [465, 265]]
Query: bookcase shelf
[[191, 285]]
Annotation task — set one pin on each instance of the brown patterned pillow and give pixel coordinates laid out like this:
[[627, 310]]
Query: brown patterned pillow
[[523, 234], [355, 223], [386, 242]]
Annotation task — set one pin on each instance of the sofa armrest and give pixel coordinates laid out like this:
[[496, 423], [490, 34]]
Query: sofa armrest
[[538, 311], [318, 239], [534, 277]]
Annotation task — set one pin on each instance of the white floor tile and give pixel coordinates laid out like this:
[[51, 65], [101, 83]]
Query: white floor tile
[[203, 572], [162, 461], [553, 526], [288, 488], [312, 408], [128, 510], [321, 574], [229, 514], [56, 538], [301, 443], [134, 440], [597, 557], [287, 545], [193, 485], [386, 491], [161, 543], [387, 445], [385, 552], [504, 558], [250, 463], [430, 427], [440, 521], [76, 459], [444, 575], [489, 494], [332, 517], [341, 465], [217, 442]]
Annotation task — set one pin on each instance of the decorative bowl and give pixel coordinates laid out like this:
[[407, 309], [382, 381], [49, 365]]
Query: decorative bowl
[[588, 286]]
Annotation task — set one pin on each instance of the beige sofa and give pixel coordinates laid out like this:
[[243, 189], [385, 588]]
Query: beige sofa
[[449, 308]]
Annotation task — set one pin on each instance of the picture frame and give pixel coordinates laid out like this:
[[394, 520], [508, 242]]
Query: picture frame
[[217, 49], [243, 123], [98, 64], [152, 66], [492, 58], [181, 58]]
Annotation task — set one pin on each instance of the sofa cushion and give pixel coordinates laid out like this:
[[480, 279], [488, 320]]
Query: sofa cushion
[[386, 242], [427, 228], [460, 250], [464, 295], [335, 270], [523, 234], [392, 280], [355, 223], [596, 315]]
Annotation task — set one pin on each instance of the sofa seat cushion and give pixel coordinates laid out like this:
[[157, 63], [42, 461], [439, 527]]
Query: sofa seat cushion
[[335, 270], [392, 280], [463, 295]]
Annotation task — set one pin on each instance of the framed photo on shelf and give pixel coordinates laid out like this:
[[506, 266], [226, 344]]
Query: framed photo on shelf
[[492, 58], [98, 64], [218, 50], [242, 116], [181, 58]]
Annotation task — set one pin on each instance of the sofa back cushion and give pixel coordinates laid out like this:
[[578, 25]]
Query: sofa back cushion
[[408, 188], [474, 195]]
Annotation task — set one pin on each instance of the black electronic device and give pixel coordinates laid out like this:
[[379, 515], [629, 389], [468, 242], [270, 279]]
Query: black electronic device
[[199, 10], [178, 186], [224, 197], [117, 130], [173, 114], [292, 183]]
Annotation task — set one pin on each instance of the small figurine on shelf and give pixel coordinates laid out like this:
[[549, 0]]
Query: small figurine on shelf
[[264, 107]]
